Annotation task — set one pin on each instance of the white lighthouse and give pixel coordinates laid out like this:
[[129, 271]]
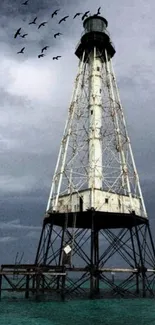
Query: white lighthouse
[[95, 222], [95, 167]]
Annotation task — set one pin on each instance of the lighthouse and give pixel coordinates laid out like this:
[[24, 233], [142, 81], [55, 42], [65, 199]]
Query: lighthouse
[[96, 222]]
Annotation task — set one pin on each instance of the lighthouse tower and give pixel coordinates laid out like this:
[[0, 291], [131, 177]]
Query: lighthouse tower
[[96, 224]]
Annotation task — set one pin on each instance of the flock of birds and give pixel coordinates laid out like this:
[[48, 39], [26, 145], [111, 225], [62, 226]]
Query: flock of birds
[[33, 22]]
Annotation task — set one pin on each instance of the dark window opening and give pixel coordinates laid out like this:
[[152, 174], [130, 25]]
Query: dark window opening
[[98, 68], [81, 204], [91, 112], [106, 200]]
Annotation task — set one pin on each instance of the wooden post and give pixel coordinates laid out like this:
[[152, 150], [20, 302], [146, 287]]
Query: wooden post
[[37, 286], [63, 284], [43, 283], [27, 286], [33, 283], [0, 285]]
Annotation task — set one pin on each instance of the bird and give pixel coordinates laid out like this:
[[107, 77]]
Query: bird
[[44, 48], [21, 51], [56, 57], [25, 3], [63, 19], [54, 13], [41, 55], [98, 11], [42, 24], [23, 36], [85, 15], [17, 32], [78, 14], [33, 21], [57, 34]]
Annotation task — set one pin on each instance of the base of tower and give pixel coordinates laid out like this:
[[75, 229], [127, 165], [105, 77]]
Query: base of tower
[[102, 254], [102, 220]]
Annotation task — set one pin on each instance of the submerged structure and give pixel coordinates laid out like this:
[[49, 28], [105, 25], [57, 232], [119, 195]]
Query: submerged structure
[[96, 240]]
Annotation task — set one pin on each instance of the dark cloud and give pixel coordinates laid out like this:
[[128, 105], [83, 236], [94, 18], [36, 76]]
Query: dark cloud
[[18, 15], [16, 9]]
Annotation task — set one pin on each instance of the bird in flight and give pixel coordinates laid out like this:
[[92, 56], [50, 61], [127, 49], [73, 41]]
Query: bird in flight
[[41, 55], [44, 48], [21, 51], [85, 15], [25, 3], [23, 36], [33, 21], [98, 11], [56, 57], [54, 13], [42, 24], [57, 34], [17, 32], [63, 19], [78, 14]]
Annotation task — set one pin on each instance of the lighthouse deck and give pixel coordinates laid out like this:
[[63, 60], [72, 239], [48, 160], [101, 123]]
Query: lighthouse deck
[[101, 220]]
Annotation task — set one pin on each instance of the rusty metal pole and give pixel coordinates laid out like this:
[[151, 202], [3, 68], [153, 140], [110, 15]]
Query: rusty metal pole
[[96, 243], [92, 258]]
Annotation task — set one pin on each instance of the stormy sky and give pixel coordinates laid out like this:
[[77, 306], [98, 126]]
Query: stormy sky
[[34, 98]]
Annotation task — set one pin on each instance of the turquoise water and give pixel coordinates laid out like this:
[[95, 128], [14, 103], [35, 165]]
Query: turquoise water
[[84, 312]]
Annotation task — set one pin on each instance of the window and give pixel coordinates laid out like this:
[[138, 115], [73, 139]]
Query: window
[[106, 200], [91, 112], [98, 68], [81, 204]]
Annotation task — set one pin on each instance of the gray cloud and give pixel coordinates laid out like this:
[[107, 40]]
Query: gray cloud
[[15, 224], [7, 239]]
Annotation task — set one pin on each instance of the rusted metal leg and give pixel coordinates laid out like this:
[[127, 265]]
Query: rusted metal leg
[[92, 266]]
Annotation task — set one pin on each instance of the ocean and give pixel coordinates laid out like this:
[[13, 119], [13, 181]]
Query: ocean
[[78, 312]]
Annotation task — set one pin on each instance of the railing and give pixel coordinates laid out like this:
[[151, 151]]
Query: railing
[[87, 32]]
